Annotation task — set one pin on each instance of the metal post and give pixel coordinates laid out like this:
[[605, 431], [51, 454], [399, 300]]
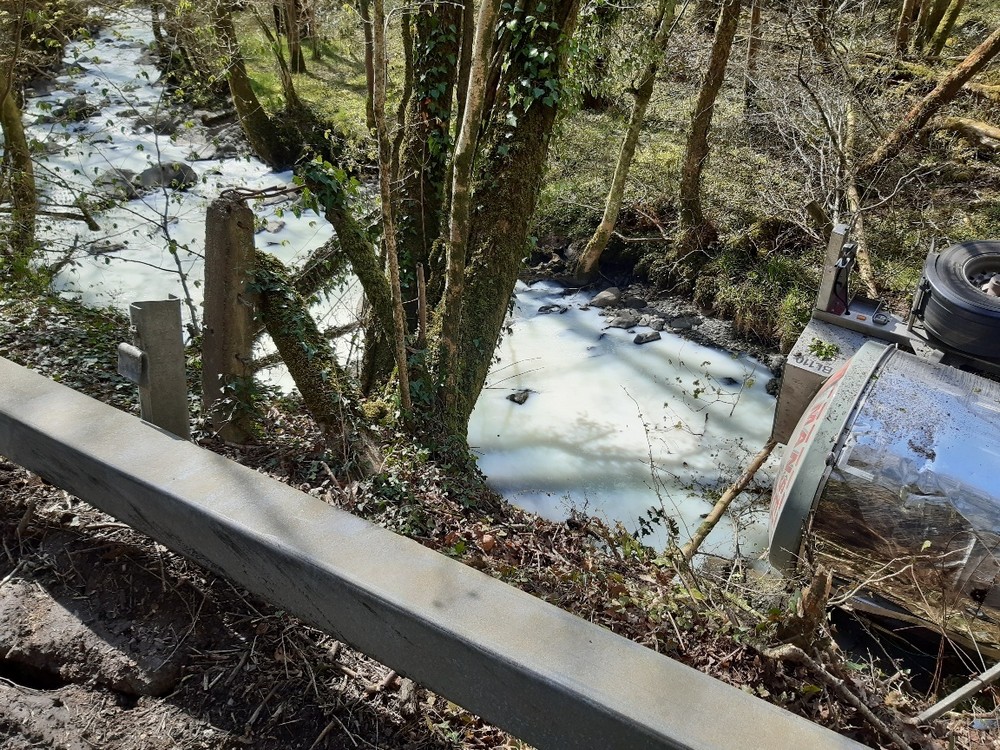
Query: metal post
[[163, 391], [824, 298]]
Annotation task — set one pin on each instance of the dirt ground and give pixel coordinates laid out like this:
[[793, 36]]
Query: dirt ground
[[108, 640]]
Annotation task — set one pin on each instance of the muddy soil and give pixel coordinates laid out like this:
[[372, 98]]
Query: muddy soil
[[108, 640]]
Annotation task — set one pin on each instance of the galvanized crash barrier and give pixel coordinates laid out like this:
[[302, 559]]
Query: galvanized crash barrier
[[542, 674]]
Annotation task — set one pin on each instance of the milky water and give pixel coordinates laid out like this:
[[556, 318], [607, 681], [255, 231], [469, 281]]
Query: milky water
[[146, 247], [616, 428], [609, 427]]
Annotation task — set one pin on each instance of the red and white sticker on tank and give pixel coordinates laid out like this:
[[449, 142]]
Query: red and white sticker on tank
[[792, 461]]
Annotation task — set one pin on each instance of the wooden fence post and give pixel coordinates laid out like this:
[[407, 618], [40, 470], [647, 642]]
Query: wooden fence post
[[228, 333]]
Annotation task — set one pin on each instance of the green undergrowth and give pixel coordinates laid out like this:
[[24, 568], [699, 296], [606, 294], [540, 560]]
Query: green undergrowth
[[333, 88]]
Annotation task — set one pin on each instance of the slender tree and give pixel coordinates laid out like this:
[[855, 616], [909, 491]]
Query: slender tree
[[256, 124], [20, 244], [587, 263], [695, 229]]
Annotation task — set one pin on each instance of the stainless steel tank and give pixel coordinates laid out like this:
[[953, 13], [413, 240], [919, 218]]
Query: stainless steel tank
[[892, 480]]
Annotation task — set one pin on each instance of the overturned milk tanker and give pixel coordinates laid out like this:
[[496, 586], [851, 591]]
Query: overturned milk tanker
[[891, 472]]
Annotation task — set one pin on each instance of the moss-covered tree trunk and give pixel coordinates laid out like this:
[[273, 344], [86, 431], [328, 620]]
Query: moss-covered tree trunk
[[507, 186], [586, 265], [20, 244], [326, 389], [258, 127], [924, 110], [695, 229]]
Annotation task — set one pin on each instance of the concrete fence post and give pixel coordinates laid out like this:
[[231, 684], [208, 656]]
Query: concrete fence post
[[228, 331], [163, 385]]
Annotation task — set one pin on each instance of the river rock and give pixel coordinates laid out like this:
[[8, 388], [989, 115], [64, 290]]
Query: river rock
[[646, 337], [776, 363], [685, 322], [608, 298], [519, 397], [176, 175], [160, 123], [549, 309], [657, 323], [117, 183], [634, 302], [75, 109], [625, 319]]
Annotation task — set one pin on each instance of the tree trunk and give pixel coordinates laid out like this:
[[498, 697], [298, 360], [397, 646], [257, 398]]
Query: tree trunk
[[943, 93], [386, 180], [364, 10], [459, 220], [21, 236], [293, 24], [855, 205], [325, 388], [259, 129], [931, 13], [975, 131], [750, 105], [692, 219], [507, 190], [154, 17], [946, 26], [424, 160], [587, 264], [904, 29], [292, 101]]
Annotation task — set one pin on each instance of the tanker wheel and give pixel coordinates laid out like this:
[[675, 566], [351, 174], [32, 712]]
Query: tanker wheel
[[958, 311]]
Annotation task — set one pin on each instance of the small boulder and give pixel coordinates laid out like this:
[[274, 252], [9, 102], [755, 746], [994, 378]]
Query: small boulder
[[519, 397], [176, 175], [117, 183], [74, 109], [776, 364], [657, 324], [608, 298], [685, 322], [549, 309], [636, 303], [624, 319], [646, 337]]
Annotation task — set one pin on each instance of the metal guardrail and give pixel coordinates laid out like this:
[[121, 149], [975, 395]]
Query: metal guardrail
[[542, 674]]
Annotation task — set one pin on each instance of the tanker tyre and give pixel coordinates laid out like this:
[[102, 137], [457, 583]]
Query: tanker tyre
[[957, 311]]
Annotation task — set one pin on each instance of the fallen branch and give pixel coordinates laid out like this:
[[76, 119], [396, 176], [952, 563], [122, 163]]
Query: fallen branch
[[791, 653], [976, 131], [962, 694], [722, 505]]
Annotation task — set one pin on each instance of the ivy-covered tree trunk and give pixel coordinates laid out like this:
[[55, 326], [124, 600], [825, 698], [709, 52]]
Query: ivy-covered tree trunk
[[507, 186], [423, 167], [326, 389], [20, 245]]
